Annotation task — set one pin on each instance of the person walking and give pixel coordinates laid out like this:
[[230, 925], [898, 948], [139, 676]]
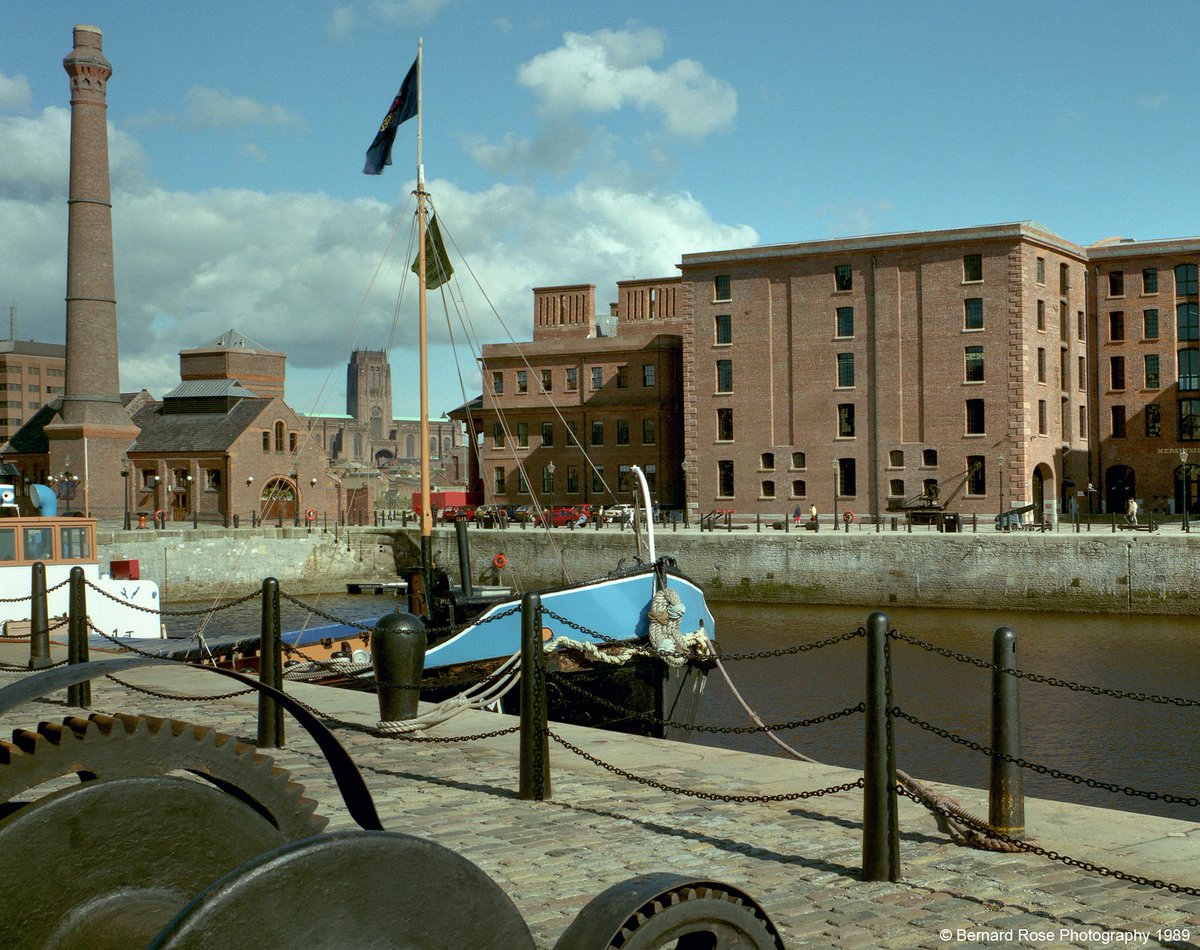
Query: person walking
[[1131, 512]]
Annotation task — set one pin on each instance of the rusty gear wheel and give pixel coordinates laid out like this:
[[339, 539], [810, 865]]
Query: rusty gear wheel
[[104, 747]]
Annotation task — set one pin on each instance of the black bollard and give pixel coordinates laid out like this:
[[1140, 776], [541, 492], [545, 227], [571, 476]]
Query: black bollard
[[39, 623], [79, 694], [464, 556], [535, 738], [881, 826], [398, 645], [270, 668], [1006, 795]]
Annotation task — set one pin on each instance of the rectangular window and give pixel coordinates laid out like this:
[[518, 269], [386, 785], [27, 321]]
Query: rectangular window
[[623, 476], [1188, 327], [1118, 422], [929, 458], [896, 458], [1189, 420], [1116, 283], [1041, 270], [598, 479], [1080, 326], [1083, 372], [597, 377], [1152, 374], [973, 313], [1116, 326], [547, 381], [648, 375], [572, 379], [725, 478], [799, 488], [498, 435], [1064, 279], [1083, 423], [572, 433], [1042, 425], [975, 424], [8, 544], [649, 435], [522, 485], [523, 434], [572, 479], [896, 488], [266, 441], [977, 475], [1041, 315], [622, 377], [974, 364], [799, 460], [597, 433], [547, 433], [723, 329], [1116, 372], [547, 480], [1150, 280], [1185, 280], [843, 277], [1153, 421], [724, 425], [1189, 369], [972, 268], [847, 485], [498, 383], [498, 480], [622, 432], [845, 321], [1150, 324], [721, 287], [845, 370], [522, 381], [766, 461], [1041, 364], [845, 416], [767, 490], [724, 376]]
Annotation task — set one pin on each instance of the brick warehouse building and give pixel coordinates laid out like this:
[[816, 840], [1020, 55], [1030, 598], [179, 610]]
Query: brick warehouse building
[[882, 365], [31, 374], [568, 414]]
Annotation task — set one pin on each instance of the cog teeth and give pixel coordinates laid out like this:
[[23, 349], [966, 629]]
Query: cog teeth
[[103, 722], [54, 732], [26, 740], [128, 721], [78, 725], [8, 752]]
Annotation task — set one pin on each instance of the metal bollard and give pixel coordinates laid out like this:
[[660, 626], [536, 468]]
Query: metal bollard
[[39, 623], [270, 668], [535, 737], [1006, 795], [757, 524], [398, 645], [881, 826], [80, 694], [464, 556]]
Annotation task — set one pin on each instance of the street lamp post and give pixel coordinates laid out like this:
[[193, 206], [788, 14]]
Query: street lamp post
[[1000, 475], [125, 483], [550, 472], [835, 494], [1184, 471]]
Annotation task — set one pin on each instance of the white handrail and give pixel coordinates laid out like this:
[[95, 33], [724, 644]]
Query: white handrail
[[641, 479]]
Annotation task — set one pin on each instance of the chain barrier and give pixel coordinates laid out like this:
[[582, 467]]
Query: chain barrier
[[722, 730], [1042, 769], [124, 645], [707, 796], [1020, 845], [1048, 680], [333, 667], [49, 590], [162, 611], [368, 629], [160, 695], [14, 668], [406, 737], [25, 637]]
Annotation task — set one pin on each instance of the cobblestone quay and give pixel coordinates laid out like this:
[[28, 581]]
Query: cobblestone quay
[[801, 859]]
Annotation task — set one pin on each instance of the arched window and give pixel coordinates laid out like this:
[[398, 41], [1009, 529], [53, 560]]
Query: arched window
[[358, 445], [279, 435], [410, 447], [376, 423]]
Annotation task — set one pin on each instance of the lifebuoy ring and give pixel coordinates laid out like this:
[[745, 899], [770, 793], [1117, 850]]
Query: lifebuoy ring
[[310, 514], [499, 562], [161, 515], [848, 516]]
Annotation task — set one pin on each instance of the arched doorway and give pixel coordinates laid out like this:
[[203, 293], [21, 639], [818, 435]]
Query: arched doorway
[[1119, 484], [1042, 476], [278, 500]]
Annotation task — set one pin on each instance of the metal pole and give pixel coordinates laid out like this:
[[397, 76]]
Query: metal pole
[[39, 624], [881, 827], [1006, 798], [464, 555], [535, 738], [77, 644], [270, 668]]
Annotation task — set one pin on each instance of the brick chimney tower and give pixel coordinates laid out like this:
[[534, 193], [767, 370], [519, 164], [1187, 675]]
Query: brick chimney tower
[[93, 430]]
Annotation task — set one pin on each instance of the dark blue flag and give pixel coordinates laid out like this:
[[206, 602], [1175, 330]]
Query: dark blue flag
[[404, 107]]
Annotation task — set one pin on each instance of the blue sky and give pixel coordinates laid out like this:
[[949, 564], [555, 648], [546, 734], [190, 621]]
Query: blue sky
[[563, 143]]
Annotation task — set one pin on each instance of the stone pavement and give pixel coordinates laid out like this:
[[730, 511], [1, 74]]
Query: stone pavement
[[799, 859]]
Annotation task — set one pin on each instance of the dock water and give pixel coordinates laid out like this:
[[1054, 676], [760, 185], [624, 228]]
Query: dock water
[[800, 859]]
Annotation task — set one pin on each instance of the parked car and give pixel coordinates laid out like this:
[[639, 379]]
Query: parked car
[[452, 512], [488, 516], [526, 513], [560, 516], [622, 513]]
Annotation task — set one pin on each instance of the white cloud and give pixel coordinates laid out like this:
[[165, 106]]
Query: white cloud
[[406, 12], [256, 152], [15, 95], [341, 23], [1153, 103], [220, 109], [503, 24], [291, 270], [557, 148], [854, 216], [604, 71]]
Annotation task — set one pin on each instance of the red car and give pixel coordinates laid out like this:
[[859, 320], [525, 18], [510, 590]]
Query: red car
[[561, 517], [452, 512]]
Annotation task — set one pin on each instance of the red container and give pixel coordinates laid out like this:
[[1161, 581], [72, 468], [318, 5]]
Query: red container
[[124, 570]]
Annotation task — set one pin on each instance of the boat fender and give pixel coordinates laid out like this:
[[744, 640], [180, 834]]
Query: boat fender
[[499, 562], [310, 515], [848, 516]]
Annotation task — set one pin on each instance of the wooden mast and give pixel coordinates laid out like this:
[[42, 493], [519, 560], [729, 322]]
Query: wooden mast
[[422, 336]]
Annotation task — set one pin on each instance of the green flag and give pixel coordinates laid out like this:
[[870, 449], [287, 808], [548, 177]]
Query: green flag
[[437, 264]]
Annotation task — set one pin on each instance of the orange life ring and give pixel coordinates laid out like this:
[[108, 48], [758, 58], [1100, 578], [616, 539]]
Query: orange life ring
[[848, 516], [161, 515], [499, 562], [310, 514]]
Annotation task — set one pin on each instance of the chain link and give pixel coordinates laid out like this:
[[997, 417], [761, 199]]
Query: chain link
[[197, 612], [406, 737], [1042, 769], [1048, 680], [49, 590], [198, 699], [1049, 853], [707, 796]]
